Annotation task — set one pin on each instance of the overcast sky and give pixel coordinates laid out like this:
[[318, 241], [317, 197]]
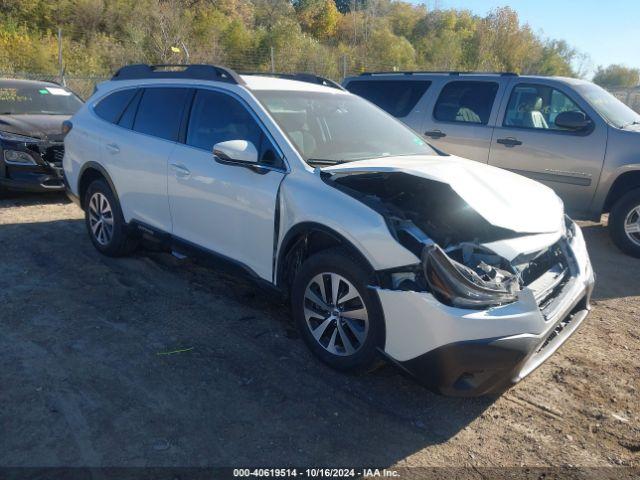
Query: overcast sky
[[608, 31]]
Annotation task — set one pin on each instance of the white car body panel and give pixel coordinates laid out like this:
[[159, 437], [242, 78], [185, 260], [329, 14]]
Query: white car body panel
[[226, 209], [503, 198]]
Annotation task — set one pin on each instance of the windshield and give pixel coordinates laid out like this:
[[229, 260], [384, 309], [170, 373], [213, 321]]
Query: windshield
[[331, 128], [38, 100], [612, 109]]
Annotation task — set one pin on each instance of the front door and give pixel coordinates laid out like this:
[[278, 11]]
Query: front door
[[227, 209], [527, 141]]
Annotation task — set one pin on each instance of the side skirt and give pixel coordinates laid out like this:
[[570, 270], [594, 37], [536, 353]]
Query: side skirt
[[204, 256]]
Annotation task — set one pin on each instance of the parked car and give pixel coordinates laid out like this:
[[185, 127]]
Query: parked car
[[466, 275], [567, 133], [31, 139]]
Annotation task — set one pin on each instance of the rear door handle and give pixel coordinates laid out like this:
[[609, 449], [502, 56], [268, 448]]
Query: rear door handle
[[180, 170], [509, 141], [435, 134], [113, 148]]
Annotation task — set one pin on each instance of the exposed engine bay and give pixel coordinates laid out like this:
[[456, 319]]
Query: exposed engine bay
[[431, 220]]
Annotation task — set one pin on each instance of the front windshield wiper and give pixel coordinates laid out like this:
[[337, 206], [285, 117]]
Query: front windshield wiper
[[323, 161], [635, 122]]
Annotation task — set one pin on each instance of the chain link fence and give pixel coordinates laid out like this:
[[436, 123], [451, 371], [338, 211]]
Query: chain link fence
[[630, 96]]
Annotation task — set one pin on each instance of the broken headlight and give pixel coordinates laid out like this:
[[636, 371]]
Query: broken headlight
[[460, 286]]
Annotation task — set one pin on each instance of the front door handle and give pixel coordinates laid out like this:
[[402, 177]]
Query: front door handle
[[113, 148], [435, 134], [180, 170], [509, 142]]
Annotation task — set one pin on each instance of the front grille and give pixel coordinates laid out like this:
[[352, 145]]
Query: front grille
[[54, 155], [563, 324]]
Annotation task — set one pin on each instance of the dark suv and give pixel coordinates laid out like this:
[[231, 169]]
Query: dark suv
[[31, 145]]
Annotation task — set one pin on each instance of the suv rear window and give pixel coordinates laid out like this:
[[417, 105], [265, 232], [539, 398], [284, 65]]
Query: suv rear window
[[111, 107], [466, 102], [160, 112], [395, 97]]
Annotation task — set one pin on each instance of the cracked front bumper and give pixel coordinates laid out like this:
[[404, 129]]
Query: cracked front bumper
[[464, 352]]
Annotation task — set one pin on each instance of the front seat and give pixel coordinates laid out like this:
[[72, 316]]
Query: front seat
[[531, 110]]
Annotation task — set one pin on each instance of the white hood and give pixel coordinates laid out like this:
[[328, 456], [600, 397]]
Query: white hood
[[503, 198]]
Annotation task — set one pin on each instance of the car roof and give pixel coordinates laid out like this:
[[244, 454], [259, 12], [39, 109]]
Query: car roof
[[18, 83], [408, 76], [263, 82]]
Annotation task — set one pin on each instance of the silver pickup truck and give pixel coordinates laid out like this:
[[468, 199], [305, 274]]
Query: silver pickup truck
[[567, 133]]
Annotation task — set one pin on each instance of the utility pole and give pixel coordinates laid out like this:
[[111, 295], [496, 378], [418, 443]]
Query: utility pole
[[273, 62], [60, 63], [344, 66]]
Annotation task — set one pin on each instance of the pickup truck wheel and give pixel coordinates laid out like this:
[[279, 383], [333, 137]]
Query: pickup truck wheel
[[624, 223], [339, 317], [105, 222]]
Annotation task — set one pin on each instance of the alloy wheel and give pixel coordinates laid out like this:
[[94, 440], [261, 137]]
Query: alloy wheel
[[336, 314], [632, 225], [101, 218]]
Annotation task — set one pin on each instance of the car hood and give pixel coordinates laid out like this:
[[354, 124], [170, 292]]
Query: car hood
[[38, 126], [503, 198]]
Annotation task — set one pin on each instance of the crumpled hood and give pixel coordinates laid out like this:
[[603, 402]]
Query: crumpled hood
[[503, 198], [37, 126]]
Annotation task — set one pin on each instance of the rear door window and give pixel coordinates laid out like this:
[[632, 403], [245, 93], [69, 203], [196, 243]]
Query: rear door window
[[466, 102], [395, 97], [111, 107], [160, 112]]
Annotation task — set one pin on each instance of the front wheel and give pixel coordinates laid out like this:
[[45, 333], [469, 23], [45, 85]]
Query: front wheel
[[624, 223], [339, 317]]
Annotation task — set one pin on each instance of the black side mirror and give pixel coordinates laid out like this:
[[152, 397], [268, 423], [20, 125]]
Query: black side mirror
[[576, 121]]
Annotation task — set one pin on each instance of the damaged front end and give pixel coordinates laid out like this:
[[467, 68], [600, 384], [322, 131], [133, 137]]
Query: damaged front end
[[450, 238]]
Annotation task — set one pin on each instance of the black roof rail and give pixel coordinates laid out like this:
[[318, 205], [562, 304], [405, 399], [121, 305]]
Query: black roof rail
[[196, 72], [453, 73], [301, 77]]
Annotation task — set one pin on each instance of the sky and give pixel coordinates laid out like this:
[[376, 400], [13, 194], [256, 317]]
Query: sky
[[607, 30]]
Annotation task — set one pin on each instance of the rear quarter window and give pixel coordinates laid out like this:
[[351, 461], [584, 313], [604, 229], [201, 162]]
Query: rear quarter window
[[395, 97]]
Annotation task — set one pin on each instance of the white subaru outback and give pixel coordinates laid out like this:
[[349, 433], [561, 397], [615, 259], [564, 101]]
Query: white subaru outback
[[465, 275]]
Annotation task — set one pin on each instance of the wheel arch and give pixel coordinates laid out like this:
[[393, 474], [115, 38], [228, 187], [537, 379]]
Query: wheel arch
[[92, 171], [306, 239]]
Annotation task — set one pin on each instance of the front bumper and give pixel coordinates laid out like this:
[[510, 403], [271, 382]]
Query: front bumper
[[470, 352], [45, 176]]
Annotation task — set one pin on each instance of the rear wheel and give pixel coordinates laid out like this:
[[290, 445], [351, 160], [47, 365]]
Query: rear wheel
[[105, 222], [339, 317], [624, 223]]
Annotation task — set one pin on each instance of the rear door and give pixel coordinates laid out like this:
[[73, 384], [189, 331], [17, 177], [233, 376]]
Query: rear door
[[527, 141], [136, 149], [461, 120]]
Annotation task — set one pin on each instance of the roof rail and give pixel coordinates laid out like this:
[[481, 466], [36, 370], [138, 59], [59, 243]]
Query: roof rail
[[453, 73], [301, 77], [196, 72]]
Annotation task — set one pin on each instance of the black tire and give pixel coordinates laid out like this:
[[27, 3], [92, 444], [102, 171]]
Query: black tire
[[617, 219], [120, 241], [339, 261]]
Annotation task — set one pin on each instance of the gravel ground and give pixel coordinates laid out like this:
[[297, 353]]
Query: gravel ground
[[86, 378]]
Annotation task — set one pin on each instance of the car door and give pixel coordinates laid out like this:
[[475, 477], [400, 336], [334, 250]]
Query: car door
[[461, 120], [528, 141], [136, 152], [225, 208]]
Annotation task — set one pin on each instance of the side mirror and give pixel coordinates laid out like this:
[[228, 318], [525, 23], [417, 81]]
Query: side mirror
[[236, 151], [575, 121]]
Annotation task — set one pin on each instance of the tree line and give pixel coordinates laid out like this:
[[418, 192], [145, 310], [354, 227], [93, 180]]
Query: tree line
[[328, 37]]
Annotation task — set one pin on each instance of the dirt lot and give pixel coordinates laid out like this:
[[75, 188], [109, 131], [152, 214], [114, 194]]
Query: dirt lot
[[85, 379]]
